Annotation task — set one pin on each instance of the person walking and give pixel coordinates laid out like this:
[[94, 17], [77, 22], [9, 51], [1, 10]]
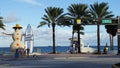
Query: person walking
[[28, 51], [106, 49]]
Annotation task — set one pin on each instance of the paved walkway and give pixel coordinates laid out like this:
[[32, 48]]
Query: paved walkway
[[62, 61]]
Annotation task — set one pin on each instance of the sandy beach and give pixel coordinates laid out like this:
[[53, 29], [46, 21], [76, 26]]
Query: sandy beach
[[61, 61]]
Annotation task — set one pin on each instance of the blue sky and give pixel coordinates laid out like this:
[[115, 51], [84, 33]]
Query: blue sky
[[26, 12]]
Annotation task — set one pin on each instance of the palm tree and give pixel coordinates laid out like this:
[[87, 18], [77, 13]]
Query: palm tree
[[1, 23], [51, 18], [99, 11], [77, 11], [112, 31]]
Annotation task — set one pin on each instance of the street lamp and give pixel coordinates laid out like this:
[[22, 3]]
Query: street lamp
[[118, 35], [78, 22]]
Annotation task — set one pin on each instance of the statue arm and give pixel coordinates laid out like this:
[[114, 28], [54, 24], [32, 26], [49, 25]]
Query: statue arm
[[6, 33]]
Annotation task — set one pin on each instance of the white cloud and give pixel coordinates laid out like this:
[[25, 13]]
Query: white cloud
[[12, 17], [33, 2], [43, 37], [5, 40], [62, 36]]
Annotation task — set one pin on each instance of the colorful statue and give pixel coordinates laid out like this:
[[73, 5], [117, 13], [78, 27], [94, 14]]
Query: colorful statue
[[17, 39]]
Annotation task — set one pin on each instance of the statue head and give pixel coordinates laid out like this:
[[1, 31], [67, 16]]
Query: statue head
[[17, 26]]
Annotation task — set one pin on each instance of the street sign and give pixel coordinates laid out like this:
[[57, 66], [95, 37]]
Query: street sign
[[105, 21]]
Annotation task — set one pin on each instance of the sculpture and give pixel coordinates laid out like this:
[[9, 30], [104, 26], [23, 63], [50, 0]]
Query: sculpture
[[29, 39], [17, 39]]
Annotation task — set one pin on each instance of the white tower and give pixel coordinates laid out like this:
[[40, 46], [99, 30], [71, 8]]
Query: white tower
[[29, 38]]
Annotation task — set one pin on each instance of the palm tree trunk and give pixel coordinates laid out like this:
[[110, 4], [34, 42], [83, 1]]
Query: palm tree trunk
[[111, 42], [118, 38], [79, 44], [98, 38], [72, 37], [53, 28]]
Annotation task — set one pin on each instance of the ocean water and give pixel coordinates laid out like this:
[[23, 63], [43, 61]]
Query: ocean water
[[48, 49]]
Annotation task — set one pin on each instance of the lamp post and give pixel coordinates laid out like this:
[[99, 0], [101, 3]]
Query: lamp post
[[78, 22], [118, 35]]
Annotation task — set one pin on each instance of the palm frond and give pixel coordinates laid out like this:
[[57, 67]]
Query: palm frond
[[52, 15], [42, 24], [78, 11], [2, 26], [100, 10], [1, 23]]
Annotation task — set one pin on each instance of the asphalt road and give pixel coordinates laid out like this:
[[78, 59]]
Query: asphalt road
[[60, 61]]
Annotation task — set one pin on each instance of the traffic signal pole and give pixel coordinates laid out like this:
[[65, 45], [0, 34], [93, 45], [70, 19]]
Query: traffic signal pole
[[118, 35]]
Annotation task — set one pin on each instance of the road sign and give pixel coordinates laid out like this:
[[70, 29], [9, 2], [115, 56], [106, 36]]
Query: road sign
[[105, 21]]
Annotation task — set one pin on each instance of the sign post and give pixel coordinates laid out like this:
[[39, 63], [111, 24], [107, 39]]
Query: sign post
[[78, 21], [118, 35]]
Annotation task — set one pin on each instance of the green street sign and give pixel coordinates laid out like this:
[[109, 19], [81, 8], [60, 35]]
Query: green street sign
[[105, 21]]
